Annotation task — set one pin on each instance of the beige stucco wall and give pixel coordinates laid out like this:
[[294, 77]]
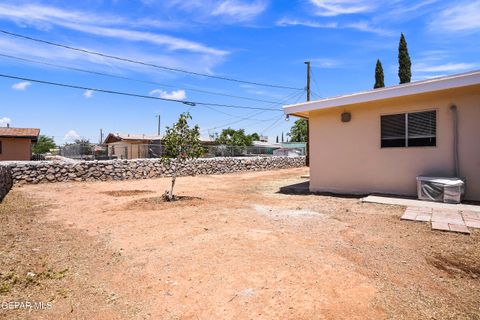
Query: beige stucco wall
[[128, 149], [15, 149], [347, 158]]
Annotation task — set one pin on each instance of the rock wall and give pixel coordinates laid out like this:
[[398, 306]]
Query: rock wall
[[6, 181], [48, 171]]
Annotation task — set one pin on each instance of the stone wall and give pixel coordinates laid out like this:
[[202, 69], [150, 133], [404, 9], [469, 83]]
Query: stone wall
[[49, 171], [6, 181]]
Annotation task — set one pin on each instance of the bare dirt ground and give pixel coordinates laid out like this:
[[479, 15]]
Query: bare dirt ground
[[234, 248]]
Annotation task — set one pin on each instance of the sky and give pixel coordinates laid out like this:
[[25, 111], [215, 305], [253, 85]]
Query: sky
[[260, 41]]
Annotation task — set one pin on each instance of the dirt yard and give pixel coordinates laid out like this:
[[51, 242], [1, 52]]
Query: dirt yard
[[235, 248]]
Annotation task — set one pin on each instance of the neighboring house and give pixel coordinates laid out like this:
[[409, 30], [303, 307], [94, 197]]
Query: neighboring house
[[379, 141], [133, 146], [16, 143]]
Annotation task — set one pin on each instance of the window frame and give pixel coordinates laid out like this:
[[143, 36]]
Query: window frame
[[406, 113]]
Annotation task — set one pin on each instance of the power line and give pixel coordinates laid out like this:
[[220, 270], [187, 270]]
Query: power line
[[270, 126], [317, 86], [292, 96], [145, 63], [190, 103], [131, 79], [295, 96]]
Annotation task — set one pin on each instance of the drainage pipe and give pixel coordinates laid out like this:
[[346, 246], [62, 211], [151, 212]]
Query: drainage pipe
[[453, 108]]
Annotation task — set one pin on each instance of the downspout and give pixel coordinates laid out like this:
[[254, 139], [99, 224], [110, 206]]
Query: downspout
[[453, 108]]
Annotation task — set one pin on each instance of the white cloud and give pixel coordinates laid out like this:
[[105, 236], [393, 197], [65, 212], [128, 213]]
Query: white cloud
[[446, 67], [462, 16], [21, 85], [5, 121], [287, 22], [330, 8], [239, 10], [174, 95], [98, 25], [325, 63], [171, 43], [88, 94], [71, 136], [362, 26]]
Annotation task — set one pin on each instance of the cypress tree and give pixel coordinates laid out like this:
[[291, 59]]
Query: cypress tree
[[379, 77], [404, 62]]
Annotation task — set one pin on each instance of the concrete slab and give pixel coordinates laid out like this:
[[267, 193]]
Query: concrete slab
[[471, 215], [472, 223], [409, 215], [451, 220], [424, 217], [459, 228], [419, 203], [440, 226]]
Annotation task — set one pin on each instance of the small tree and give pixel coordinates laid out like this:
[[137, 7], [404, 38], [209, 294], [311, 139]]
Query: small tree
[[379, 77], [238, 138], [43, 145], [181, 143], [298, 132], [404, 62]]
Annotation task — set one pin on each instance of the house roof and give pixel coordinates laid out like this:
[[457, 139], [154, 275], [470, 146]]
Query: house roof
[[418, 87], [30, 133], [115, 137]]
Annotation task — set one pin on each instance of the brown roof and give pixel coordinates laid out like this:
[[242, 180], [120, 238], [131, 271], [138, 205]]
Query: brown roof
[[31, 133]]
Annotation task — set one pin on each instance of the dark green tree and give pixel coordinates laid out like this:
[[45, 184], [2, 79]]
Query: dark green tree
[[277, 139], [180, 144], [379, 77], [255, 136], [404, 62], [43, 145], [298, 132], [232, 137]]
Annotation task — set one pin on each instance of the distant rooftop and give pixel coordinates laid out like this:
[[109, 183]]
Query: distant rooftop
[[31, 133]]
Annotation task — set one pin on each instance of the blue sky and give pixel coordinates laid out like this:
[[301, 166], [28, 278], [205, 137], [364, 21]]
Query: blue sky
[[257, 40]]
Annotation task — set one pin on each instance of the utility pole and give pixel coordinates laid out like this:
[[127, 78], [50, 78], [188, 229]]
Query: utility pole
[[308, 80], [101, 136], [308, 125], [158, 129]]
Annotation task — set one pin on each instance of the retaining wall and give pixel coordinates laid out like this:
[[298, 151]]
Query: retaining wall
[[49, 171], [6, 181]]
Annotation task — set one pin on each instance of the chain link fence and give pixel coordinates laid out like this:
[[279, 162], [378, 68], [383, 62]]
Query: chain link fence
[[145, 151]]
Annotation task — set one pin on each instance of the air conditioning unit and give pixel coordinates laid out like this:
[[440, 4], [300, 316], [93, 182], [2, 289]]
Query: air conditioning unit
[[448, 190]]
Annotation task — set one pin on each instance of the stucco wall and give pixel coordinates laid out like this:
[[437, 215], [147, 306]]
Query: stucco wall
[[347, 158], [49, 171], [15, 149]]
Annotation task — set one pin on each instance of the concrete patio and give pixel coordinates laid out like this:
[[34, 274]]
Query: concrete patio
[[444, 219]]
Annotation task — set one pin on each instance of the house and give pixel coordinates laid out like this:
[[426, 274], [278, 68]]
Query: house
[[16, 143], [133, 146], [137, 146], [379, 141]]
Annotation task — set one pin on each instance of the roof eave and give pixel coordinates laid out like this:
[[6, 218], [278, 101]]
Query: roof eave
[[421, 87]]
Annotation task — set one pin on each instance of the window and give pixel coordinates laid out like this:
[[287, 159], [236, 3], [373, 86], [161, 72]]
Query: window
[[417, 129]]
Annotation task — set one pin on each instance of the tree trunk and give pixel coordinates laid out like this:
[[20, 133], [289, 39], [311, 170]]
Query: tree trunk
[[174, 177]]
